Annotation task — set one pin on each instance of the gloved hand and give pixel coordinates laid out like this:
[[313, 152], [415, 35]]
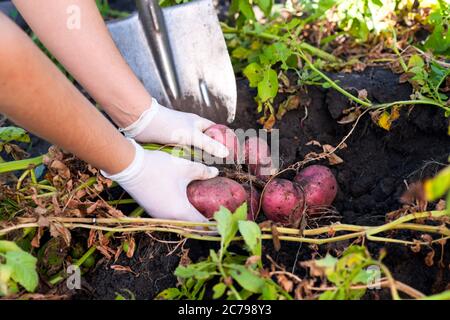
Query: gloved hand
[[166, 126], [158, 183]]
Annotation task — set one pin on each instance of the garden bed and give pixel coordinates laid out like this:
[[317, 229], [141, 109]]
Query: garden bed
[[378, 166], [338, 92]]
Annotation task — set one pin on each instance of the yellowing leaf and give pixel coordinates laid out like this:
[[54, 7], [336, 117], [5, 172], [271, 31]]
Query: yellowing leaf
[[385, 119], [438, 186]]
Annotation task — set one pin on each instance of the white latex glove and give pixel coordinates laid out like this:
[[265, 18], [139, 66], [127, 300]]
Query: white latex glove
[[158, 183], [166, 126]]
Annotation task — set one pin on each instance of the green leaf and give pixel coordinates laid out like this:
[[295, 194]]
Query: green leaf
[[5, 276], [227, 223], [6, 246], [246, 9], [328, 295], [269, 292], [265, 6], [169, 294], [226, 227], [8, 134], [251, 233], [436, 187], [247, 279], [415, 61], [329, 262], [241, 53], [268, 87], [201, 270], [254, 74], [277, 52], [219, 290], [241, 213], [378, 3], [365, 276], [24, 269]]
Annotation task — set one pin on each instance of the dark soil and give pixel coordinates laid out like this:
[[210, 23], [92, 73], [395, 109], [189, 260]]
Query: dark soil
[[377, 166]]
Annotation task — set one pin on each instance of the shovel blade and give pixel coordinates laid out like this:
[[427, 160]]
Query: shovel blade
[[202, 65]]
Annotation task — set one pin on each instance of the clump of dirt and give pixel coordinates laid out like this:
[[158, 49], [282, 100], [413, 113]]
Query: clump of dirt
[[378, 166]]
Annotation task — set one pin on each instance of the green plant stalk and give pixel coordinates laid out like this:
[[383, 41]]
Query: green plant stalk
[[271, 37], [331, 82], [283, 231], [121, 201], [395, 49], [369, 104], [88, 183], [21, 178], [439, 296], [393, 287], [409, 102], [20, 164], [409, 217]]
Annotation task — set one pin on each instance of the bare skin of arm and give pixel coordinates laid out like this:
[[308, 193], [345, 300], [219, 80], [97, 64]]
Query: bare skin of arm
[[36, 95], [89, 54]]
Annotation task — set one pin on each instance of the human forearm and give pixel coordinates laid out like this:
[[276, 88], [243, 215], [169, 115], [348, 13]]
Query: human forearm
[[35, 95], [89, 54]]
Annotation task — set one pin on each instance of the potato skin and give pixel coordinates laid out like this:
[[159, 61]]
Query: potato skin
[[253, 197], [283, 201], [257, 157], [227, 137], [207, 196], [319, 185]]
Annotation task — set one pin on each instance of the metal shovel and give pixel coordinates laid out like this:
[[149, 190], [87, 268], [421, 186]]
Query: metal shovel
[[180, 55]]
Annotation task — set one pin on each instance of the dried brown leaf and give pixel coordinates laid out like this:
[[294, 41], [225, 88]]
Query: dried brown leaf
[[275, 238], [61, 168], [120, 268], [58, 230], [252, 260], [350, 117], [131, 247], [36, 242], [429, 259], [285, 283], [362, 94], [314, 143]]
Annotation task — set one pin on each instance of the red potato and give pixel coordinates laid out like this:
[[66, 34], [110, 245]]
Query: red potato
[[319, 185], [207, 196], [225, 136], [257, 157], [283, 201], [253, 197]]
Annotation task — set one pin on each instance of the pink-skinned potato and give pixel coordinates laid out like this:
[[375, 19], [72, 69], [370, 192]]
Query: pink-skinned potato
[[318, 184], [207, 196], [257, 158], [253, 197], [227, 137], [283, 201]]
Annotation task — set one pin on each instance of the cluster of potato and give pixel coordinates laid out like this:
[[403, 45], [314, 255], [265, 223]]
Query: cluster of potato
[[283, 200]]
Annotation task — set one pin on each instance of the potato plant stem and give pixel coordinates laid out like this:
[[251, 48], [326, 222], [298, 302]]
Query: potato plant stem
[[121, 201], [439, 296], [333, 83], [20, 164], [272, 37]]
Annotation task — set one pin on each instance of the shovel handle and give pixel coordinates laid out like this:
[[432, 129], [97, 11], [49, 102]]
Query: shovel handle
[[152, 19], [8, 8]]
